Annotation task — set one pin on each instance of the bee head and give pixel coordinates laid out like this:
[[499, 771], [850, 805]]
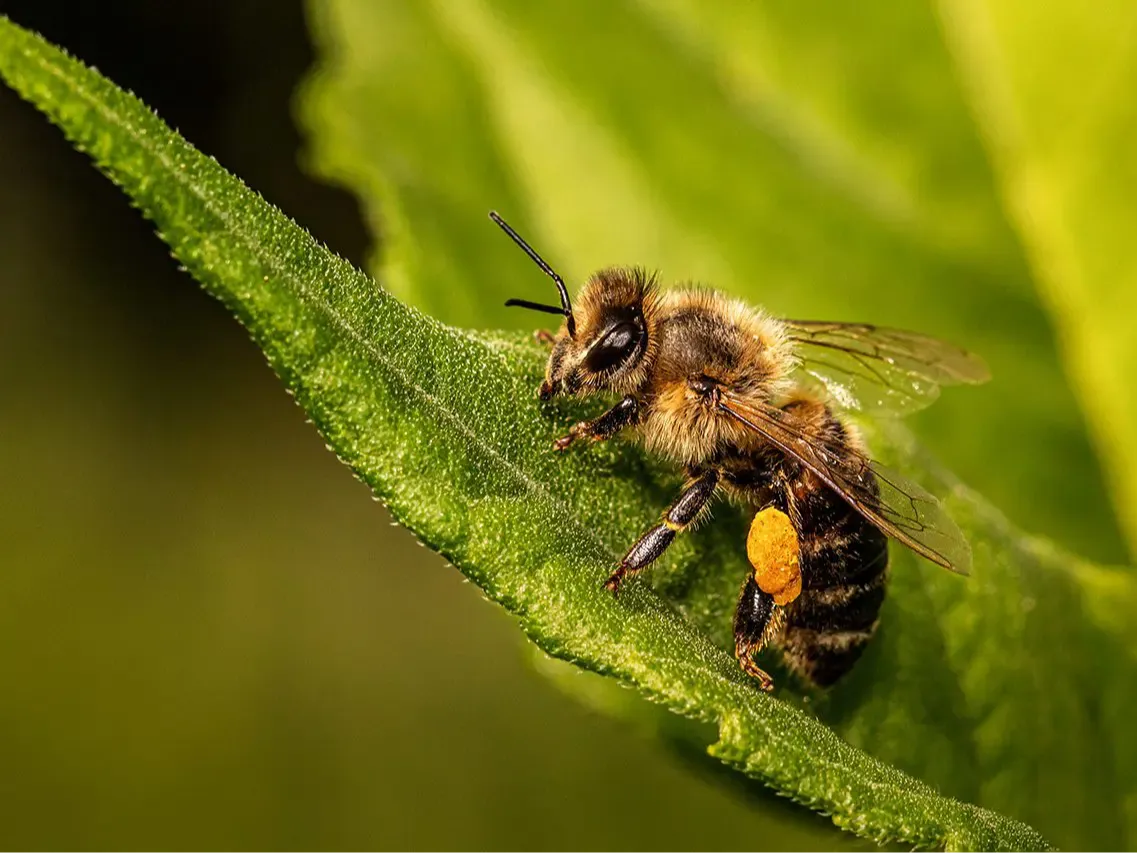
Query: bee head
[[607, 350], [603, 346]]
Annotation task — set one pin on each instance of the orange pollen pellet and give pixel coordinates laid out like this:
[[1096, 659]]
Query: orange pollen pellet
[[772, 547]]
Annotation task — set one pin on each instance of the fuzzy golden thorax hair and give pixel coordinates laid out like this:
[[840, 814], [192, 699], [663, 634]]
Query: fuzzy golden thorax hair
[[706, 340]]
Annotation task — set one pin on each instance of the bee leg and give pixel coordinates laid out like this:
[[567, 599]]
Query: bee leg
[[625, 413], [678, 516], [544, 336], [754, 621]]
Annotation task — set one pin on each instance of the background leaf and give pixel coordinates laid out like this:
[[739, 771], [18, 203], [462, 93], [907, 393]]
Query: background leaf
[[820, 162], [1052, 92], [482, 499]]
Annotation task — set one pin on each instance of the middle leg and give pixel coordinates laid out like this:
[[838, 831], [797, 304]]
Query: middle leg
[[679, 516]]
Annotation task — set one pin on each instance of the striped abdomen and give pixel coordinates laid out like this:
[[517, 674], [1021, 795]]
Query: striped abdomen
[[843, 559], [844, 562]]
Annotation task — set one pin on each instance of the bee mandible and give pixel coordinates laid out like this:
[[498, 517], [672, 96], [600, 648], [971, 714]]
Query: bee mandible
[[749, 406]]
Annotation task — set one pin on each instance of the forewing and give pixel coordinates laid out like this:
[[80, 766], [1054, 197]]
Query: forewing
[[878, 369], [897, 506]]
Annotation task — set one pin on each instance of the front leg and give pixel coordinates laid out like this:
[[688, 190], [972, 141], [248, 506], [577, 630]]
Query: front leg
[[623, 414], [678, 516]]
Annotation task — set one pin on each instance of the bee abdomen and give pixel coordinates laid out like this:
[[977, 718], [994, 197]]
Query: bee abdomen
[[829, 625], [849, 607], [823, 657]]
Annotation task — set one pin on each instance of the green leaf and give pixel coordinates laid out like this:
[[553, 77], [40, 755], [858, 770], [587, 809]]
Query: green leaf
[[1052, 85], [444, 426], [820, 161]]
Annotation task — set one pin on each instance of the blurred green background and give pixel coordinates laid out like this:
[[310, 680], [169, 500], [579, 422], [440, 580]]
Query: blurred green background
[[210, 637]]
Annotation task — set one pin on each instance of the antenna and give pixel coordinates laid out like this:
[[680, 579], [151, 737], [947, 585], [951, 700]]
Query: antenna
[[566, 306]]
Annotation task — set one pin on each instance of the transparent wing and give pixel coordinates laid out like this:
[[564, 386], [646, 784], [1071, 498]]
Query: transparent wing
[[888, 500], [878, 369]]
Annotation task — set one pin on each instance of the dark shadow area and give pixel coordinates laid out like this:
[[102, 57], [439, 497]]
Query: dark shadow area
[[222, 74]]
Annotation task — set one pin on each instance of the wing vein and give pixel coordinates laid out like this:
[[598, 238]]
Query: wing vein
[[884, 497], [876, 368]]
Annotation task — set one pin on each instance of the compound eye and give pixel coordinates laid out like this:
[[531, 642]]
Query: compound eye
[[615, 347]]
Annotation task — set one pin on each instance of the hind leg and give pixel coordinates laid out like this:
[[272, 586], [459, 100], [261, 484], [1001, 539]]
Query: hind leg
[[756, 621]]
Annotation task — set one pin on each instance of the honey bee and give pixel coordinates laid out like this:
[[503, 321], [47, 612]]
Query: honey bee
[[749, 405]]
